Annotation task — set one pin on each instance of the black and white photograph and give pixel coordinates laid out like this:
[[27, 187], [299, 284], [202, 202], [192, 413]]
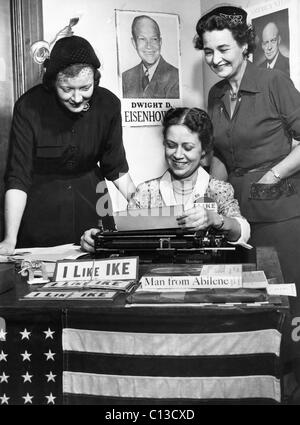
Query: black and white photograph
[[149, 64], [277, 37], [154, 41], [273, 36], [149, 206]]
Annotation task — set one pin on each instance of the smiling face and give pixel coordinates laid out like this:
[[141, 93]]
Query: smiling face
[[223, 54], [75, 92], [147, 41], [270, 41], [183, 151]]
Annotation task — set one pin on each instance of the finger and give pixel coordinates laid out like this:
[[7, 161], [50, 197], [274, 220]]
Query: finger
[[187, 217], [181, 222], [86, 246], [194, 225], [197, 209], [88, 236]]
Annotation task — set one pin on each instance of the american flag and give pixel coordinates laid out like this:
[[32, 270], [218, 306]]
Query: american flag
[[176, 356], [140, 356], [30, 357]]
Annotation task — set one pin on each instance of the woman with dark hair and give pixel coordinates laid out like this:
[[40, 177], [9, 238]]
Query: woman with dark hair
[[256, 115], [66, 137], [187, 140]]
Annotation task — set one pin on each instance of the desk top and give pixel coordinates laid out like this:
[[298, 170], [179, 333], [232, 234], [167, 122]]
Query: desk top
[[266, 259]]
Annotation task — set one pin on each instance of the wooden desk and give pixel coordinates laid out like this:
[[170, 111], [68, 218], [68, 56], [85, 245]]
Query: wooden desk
[[87, 353]]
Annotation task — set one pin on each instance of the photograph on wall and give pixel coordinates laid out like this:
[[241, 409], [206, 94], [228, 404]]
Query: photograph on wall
[[276, 37], [149, 70]]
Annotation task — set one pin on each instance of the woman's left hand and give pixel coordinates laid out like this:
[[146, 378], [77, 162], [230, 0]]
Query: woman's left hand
[[197, 218], [268, 178]]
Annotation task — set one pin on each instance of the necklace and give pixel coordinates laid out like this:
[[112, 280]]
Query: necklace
[[183, 188]]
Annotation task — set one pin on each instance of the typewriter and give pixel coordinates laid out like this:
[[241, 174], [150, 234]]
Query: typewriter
[[153, 236], [166, 246]]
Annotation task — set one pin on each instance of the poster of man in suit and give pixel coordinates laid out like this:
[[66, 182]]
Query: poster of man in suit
[[273, 38], [149, 65]]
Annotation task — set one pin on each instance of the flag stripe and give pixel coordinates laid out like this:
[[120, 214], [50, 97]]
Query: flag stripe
[[79, 399], [267, 341], [181, 388], [171, 356], [206, 366], [184, 320]]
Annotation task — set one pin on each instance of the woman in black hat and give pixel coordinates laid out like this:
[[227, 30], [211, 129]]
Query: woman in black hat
[[256, 114], [66, 137]]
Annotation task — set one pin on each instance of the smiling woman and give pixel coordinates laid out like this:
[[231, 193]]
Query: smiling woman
[[187, 136], [66, 138], [256, 114], [75, 86]]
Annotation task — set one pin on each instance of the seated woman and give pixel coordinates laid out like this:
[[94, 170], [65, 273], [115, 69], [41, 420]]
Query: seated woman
[[187, 141]]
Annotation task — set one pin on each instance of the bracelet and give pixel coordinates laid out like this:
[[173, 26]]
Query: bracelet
[[275, 174], [222, 223]]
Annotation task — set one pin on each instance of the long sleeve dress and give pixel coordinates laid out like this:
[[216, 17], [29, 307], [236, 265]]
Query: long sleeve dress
[[60, 159], [256, 138]]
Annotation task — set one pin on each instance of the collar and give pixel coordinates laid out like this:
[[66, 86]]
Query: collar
[[167, 193], [271, 64], [248, 84], [151, 69]]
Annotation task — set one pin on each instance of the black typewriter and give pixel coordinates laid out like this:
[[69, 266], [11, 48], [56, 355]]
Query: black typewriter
[[166, 245]]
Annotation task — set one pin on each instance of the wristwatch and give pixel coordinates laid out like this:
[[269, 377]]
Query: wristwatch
[[276, 174], [219, 227]]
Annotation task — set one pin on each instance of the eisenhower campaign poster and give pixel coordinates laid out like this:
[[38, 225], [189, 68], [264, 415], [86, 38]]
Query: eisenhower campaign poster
[[149, 69], [277, 36]]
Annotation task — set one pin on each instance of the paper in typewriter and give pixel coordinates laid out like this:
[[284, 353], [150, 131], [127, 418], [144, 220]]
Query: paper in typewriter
[[148, 218]]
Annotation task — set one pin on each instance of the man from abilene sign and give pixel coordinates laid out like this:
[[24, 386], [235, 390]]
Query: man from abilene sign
[[189, 282], [113, 269]]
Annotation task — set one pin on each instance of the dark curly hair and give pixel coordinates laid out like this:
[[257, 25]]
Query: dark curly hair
[[241, 32], [194, 119]]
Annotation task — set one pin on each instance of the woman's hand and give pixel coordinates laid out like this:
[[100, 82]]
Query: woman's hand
[[7, 247], [87, 241], [198, 218], [268, 178]]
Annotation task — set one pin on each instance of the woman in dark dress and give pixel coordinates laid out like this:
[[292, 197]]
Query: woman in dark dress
[[66, 138], [256, 114]]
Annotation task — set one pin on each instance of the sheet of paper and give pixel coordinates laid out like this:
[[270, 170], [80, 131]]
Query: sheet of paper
[[219, 269], [255, 280], [285, 289], [49, 254], [148, 218]]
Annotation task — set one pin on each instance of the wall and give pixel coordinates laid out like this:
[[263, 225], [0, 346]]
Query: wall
[[6, 90], [97, 24], [206, 5]]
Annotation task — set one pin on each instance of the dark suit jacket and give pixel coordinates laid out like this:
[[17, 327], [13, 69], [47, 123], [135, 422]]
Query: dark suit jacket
[[163, 85], [282, 63]]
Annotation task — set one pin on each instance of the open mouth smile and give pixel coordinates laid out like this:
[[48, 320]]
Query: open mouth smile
[[179, 164]]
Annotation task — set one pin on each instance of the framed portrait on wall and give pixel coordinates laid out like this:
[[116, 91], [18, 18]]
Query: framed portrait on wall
[[277, 37], [149, 69]]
